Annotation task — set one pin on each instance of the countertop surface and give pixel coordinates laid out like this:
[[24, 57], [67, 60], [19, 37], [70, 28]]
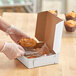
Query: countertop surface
[[27, 23]]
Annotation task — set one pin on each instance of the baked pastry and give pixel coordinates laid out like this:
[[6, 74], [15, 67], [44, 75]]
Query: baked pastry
[[71, 16], [53, 12], [70, 25], [33, 49], [27, 42]]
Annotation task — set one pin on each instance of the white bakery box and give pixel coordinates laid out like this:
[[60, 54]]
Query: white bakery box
[[49, 30]]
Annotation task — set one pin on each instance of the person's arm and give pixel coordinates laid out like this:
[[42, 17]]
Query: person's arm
[[13, 32], [3, 25], [11, 50], [1, 45]]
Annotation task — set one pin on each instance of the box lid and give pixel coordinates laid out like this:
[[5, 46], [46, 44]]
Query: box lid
[[45, 28]]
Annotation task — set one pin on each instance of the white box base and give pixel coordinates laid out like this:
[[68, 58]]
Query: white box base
[[40, 61]]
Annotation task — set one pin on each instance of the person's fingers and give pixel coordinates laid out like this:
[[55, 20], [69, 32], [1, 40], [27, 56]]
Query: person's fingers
[[21, 53], [21, 48], [18, 54]]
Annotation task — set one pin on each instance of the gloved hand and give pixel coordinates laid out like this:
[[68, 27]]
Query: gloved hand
[[16, 34], [12, 50]]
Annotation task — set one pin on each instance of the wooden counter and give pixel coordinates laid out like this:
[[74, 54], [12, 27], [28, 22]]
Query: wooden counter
[[27, 23]]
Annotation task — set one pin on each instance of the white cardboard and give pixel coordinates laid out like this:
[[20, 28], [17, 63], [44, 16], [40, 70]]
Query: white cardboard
[[40, 61], [57, 36], [46, 60]]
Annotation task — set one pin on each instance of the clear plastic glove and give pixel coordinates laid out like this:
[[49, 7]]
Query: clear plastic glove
[[16, 34], [12, 50]]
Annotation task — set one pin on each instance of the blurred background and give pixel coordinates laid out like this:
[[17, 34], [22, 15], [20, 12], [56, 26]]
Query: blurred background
[[35, 6]]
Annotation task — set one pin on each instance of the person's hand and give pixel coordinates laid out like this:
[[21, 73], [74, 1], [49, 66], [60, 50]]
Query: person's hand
[[16, 34], [12, 50]]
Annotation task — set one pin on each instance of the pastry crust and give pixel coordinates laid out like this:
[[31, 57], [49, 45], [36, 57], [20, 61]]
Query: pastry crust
[[72, 14], [25, 42], [70, 23], [53, 12]]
